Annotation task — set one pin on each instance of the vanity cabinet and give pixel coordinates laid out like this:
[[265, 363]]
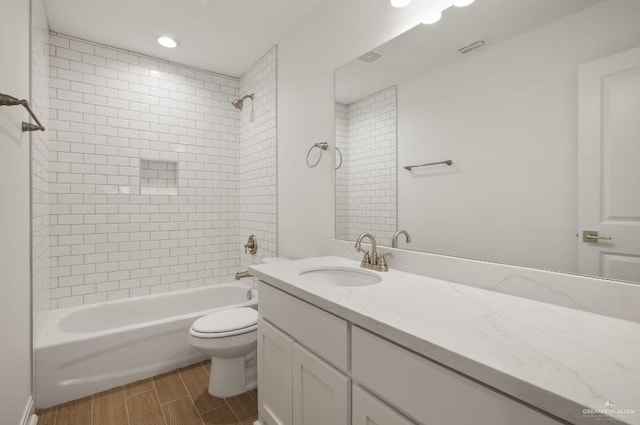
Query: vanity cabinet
[[302, 363], [308, 358], [429, 392], [275, 357], [295, 386], [368, 410], [320, 392]]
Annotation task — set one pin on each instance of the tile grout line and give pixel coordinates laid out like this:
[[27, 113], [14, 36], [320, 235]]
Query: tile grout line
[[153, 382], [233, 411], [126, 406], [55, 417], [133, 395], [193, 404], [171, 401], [216, 408], [92, 397]]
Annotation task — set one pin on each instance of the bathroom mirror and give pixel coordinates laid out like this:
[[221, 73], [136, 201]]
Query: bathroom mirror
[[534, 103]]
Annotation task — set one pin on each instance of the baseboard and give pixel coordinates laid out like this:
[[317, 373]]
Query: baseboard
[[29, 417]]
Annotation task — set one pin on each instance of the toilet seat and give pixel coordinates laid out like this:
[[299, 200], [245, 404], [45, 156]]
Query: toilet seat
[[225, 323]]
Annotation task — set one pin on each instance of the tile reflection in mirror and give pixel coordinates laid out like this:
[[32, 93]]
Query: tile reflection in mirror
[[507, 114]]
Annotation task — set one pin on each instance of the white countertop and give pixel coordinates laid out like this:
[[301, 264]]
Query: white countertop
[[555, 358]]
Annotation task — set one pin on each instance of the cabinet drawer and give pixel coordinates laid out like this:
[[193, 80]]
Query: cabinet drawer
[[368, 410], [428, 392], [321, 332]]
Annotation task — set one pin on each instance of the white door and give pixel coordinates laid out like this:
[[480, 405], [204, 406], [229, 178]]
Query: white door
[[275, 355], [368, 410], [609, 167], [320, 393]]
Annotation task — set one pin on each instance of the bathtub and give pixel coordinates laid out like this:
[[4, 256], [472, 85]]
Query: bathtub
[[87, 349]]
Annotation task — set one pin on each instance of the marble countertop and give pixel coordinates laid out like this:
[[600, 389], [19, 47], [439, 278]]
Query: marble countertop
[[557, 359]]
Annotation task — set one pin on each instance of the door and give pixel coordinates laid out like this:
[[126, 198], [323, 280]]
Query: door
[[320, 393], [275, 356], [368, 410], [609, 167]]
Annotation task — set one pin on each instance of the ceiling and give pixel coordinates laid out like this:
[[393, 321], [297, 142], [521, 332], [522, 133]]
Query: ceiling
[[225, 36], [429, 47]]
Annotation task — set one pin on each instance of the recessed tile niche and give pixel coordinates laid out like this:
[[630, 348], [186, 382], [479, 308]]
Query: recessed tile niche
[[158, 177]]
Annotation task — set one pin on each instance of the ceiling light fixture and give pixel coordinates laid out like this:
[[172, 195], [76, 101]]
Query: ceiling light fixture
[[167, 42], [462, 3], [400, 3], [433, 15]]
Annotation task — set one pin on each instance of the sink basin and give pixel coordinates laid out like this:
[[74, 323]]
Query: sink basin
[[341, 276]]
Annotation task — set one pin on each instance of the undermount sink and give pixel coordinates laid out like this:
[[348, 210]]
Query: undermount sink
[[341, 276]]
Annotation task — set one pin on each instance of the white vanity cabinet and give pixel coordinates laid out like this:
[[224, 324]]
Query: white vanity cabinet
[[295, 386], [275, 359], [368, 410], [320, 392], [296, 383], [308, 358]]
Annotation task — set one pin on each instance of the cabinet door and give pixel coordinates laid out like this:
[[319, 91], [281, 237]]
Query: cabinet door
[[368, 410], [274, 375], [321, 394]]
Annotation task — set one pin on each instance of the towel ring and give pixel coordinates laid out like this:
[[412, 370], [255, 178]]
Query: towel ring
[[339, 153], [323, 146]]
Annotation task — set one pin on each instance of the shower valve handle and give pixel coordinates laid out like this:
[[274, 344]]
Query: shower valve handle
[[251, 247]]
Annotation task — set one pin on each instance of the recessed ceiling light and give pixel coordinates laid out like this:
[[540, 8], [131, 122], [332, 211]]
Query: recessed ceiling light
[[462, 3], [431, 17], [167, 42], [400, 3]]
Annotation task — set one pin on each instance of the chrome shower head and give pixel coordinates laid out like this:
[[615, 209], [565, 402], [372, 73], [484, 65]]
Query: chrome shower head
[[239, 102]]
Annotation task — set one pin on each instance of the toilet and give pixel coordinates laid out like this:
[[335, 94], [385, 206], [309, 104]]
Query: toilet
[[230, 338]]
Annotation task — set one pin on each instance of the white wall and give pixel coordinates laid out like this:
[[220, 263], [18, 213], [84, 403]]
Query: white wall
[[257, 160], [307, 59], [507, 116], [15, 281], [366, 195], [40, 165]]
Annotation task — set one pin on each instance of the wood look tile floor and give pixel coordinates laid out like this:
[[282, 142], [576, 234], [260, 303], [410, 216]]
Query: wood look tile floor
[[175, 398]]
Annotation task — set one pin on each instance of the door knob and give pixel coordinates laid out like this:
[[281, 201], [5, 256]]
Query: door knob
[[591, 236]]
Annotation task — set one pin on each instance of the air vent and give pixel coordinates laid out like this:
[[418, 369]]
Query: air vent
[[471, 47], [370, 57]]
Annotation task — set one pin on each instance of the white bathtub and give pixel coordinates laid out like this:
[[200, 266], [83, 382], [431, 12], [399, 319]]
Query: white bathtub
[[87, 349]]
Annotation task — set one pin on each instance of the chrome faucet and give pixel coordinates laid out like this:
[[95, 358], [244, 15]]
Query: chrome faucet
[[373, 260], [394, 241]]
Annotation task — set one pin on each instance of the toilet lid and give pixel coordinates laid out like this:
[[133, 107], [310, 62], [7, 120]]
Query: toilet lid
[[232, 319]]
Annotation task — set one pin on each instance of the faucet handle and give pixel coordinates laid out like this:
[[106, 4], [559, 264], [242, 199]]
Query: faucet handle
[[382, 262], [366, 260], [251, 247]]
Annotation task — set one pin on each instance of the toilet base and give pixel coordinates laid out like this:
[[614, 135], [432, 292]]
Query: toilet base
[[231, 377]]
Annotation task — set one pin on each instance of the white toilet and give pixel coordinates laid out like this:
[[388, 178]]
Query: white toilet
[[230, 337]]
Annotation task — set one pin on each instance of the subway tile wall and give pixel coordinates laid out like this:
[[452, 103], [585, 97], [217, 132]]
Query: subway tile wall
[[112, 109], [257, 161], [40, 168], [366, 184], [342, 173]]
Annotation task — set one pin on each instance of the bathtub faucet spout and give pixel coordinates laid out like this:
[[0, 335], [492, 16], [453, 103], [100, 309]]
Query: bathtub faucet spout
[[242, 275]]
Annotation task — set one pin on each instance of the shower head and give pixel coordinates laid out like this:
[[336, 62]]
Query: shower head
[[6, 100], [239, 102]]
